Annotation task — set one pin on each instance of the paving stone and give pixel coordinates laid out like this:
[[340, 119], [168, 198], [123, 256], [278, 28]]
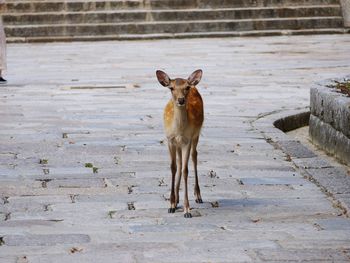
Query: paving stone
[[77, 257], [26, 223], [335, 179], [45, 240], [314, 255], [313, 162], [83, 212], [8, 259], [272, 181], [295, 191], [334, 223], [76, 183], [296, 149], [50, 199], [174, 228], [208, 253], [344, 200], [310, 244], [321, 235]]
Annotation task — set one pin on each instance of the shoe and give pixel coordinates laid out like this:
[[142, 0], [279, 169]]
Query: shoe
[[2, 80]]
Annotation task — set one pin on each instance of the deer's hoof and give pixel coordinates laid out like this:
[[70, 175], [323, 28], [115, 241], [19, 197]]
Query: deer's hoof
[[187, 215], [199, 201], [171, 210]]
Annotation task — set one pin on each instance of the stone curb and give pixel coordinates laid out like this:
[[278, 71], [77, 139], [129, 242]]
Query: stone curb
[[334, 181], [330, 120], [326, 103]]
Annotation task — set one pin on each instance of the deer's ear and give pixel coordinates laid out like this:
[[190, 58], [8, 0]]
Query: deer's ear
[[163, 78], [195, 77]]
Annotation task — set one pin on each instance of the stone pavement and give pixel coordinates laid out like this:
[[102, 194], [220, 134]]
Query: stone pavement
[[84, 169]]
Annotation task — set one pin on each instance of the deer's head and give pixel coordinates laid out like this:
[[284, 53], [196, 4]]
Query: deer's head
[[179, 87]]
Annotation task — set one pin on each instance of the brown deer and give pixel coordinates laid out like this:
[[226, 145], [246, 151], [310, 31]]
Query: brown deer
[[183, 119]]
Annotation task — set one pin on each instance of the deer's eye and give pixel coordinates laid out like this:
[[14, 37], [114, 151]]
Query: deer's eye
[[172, 89], [188, 88]]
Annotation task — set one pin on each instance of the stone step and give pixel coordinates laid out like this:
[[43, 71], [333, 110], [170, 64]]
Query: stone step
[[140, 19], [172, 27], [170, 15], [89, 5], [178, 35]]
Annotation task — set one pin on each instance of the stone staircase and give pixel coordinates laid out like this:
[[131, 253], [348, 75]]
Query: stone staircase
[[54, 20]]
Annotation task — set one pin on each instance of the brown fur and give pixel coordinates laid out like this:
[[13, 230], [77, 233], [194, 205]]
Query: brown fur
[[194, 109]]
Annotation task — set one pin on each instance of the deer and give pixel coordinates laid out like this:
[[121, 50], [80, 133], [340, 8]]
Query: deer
[[183, 119]]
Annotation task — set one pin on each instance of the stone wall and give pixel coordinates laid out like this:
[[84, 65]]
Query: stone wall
[[330, 121], [345, 4]]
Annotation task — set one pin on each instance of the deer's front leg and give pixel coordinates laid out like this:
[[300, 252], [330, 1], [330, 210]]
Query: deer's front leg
[[185, 157], [172, 152], [179, 171]]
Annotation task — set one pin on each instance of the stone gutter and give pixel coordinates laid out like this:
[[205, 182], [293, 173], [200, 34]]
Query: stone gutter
[[334, 181]]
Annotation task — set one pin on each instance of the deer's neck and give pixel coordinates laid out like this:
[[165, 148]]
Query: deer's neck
[[180, 118]]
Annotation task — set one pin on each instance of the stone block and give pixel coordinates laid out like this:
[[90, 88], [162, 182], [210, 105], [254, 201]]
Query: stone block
[[45, 240], [85, 257], [273, 181], [344, 200], [335, 180], [334, 224], [345, 6], [313, 162], [9, 259], [296, 149], [173, 228], [302, 255], [328, 138], [331, 107], [76, 183]]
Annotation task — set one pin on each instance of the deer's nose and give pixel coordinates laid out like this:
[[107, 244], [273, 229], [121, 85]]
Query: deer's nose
[[181, 101]]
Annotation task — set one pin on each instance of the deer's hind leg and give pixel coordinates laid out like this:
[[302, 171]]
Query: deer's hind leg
[[179, 174], [172, 152], [186, 149], [197, 191]]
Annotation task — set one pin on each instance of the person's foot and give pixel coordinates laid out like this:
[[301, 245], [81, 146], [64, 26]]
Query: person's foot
[[2, 80]]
